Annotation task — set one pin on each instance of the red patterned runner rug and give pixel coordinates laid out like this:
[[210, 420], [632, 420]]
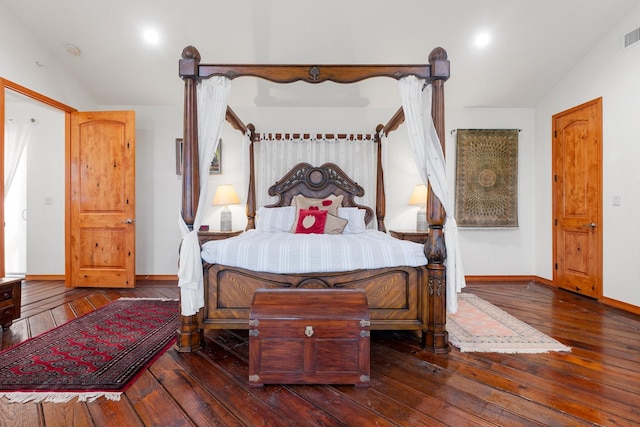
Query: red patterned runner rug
[[480, 326], [97, 355]]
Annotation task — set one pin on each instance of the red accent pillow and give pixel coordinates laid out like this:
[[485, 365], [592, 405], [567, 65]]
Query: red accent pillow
[[311, 221]]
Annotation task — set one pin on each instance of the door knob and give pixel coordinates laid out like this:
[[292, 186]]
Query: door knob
[[591, 225], [128, 221]]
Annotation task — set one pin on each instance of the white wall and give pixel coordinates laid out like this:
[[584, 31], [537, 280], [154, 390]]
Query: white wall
[[609, 72], [45, 194], [26, 63], [499, 251], [45, 179]]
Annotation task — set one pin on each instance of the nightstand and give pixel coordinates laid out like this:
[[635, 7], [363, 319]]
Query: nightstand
[[10, 300], [206, 236], [413, 236]]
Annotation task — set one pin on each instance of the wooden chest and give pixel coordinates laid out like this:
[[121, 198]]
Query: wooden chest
[[10, 293], [309, 336]]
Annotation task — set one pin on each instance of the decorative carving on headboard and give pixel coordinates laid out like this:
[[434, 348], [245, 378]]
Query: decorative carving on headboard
[[292, 178], [318, 182], [346, 183]]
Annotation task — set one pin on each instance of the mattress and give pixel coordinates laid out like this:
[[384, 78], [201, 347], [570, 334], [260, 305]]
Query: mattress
[[291, 253]]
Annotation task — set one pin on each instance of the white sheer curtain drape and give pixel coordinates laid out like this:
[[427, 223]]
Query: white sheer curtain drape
[[17, 133], [213, 94], [276, 156], [430, 161]]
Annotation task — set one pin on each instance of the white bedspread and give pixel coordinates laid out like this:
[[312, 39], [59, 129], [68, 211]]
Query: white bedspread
[[307, 253]]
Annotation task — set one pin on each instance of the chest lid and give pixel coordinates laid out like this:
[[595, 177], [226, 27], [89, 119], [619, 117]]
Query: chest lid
[[309, 303]]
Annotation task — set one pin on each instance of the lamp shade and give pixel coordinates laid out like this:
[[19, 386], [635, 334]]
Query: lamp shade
[[419, 196], [225, 195]]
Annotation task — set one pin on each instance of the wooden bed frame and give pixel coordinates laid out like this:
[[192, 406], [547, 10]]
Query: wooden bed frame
[[400, 298]]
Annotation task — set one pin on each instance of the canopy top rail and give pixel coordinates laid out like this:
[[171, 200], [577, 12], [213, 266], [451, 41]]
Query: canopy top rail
[[437, 69]]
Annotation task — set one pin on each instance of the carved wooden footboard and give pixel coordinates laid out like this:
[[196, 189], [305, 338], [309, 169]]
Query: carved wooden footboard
[[397, 296]]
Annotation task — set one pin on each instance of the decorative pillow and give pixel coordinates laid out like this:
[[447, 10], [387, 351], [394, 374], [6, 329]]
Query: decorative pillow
[[334, 224], [330, 204], [275, 220], [355, 217], [311, 221]]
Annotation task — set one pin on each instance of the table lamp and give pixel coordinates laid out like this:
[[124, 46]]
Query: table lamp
[[225, 196], [419, 197]]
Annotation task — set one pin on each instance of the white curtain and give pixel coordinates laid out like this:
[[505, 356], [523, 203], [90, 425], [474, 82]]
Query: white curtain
[[276, 156], [17, 133], [213, 94], [431, 166]]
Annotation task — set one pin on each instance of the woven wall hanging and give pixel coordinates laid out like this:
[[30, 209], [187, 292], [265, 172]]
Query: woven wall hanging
[[487, 178]]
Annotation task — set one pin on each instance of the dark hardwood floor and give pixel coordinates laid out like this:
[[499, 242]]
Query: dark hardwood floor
[[598, 383]]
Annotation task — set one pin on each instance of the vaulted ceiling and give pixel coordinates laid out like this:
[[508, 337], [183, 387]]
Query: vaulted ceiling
[[533, 43]]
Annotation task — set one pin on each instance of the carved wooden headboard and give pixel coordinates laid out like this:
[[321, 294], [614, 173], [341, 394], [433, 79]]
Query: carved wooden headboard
[[318, 182]]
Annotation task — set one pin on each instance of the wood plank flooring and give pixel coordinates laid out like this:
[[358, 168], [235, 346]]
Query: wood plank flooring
[[598, 383]]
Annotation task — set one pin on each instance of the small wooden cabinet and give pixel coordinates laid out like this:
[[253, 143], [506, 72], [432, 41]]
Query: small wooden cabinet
[[309, 336], [205, 236], [414, 236], [10, 300]]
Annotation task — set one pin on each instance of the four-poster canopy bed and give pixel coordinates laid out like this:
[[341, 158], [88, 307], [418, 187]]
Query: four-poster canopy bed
[[400, 297]]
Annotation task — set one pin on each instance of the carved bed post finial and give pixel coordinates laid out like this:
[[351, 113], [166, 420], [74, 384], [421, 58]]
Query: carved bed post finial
[[436, 338], [189, 62], [188, 70], [439, 64]]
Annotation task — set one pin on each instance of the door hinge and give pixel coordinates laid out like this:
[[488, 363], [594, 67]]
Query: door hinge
[[555, 133], [555, 221], [556, 265], [555, 178]]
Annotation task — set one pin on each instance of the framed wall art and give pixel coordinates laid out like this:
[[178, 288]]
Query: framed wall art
[[216, 163]]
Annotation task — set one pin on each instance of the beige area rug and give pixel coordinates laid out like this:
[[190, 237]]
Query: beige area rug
[[479, 326]]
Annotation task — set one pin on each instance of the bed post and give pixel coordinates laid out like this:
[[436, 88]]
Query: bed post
[[435, 338], [189, 337], [251, 194], [190, 165], [381, 202]]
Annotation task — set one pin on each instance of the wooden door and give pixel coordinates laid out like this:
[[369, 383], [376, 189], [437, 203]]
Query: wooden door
[[101, 235], [577, 189]]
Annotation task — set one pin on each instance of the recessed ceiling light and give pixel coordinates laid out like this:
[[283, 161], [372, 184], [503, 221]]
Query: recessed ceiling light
[[482, 39], [151, 36]]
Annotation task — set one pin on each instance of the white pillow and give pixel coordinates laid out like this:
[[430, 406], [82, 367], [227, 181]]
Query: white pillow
[[275, 220], [355, 217]]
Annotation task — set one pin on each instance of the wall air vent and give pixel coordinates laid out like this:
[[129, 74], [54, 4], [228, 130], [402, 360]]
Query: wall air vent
[[632, 38]]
